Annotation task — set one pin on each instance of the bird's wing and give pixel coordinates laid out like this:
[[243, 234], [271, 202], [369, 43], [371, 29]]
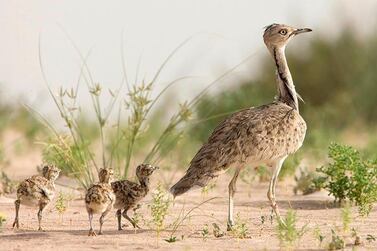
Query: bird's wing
[[123, 186], [251, 135]]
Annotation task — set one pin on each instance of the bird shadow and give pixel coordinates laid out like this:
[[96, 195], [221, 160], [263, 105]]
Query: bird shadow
[[84, 232], [30, 234], [297, 204], [25, 234]]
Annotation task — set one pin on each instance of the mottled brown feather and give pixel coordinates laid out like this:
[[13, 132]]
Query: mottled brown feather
[[248, 137]]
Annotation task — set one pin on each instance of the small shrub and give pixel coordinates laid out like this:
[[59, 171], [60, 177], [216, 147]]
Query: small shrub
[[208, 188], [263, 174], [346, 217], [181, 218], [288, 233], [240, 229], [205, 232], [248, 176], [6, 184], [61, 204], [70, 157], [121, 122], [350, 177], [319, 236], [337, 242], [370, 238], [355, 235], [306, 182], [159, 208], [3, 219]]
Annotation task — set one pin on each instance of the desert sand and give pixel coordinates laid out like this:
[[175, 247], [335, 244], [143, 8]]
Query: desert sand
[[69, 231]]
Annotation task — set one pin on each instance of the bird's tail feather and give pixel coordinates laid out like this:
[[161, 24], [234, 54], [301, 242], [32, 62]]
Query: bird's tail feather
[[187, 183]]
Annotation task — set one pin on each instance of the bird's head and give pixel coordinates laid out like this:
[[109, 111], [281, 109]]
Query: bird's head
[[278, 35], [145, 170], [50, 172], [105, 175]]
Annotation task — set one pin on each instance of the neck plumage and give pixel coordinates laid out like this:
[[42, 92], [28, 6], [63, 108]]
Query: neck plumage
[[144, 182], [286, 89]]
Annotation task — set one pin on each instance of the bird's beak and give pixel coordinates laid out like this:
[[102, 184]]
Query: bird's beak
[[299, 31]]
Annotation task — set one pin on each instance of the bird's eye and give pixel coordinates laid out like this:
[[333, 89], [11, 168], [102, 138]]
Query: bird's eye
[[283, 32]]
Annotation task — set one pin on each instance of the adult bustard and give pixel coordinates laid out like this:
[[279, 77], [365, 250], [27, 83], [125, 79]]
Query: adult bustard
[[262, 135]]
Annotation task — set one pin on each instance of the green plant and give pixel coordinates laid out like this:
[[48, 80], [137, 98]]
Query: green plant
[[350, 177], [204, 232], [171, 239], [3, 219], [240, 229], [181, 218], [355, 235], [319, 236], [118, 141], [6, 184], [205, 190], [346, 214], [288, 233], [263, 174], [122, 123], [61, 204], [337, 242], [248, 176], [71, 158], [159, 208], [306, 182], [370, 238]]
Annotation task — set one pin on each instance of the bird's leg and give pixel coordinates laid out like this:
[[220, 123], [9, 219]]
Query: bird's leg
[[232, 191], [91, 231], [17, 206], [41, 207], [119, 216], [272, 189], [129, 219], [102, 218]]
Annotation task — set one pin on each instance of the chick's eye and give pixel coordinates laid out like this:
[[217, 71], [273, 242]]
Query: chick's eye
[[283, 32]]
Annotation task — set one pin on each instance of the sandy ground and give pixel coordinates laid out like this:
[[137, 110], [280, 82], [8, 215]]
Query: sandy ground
[[69, 232]]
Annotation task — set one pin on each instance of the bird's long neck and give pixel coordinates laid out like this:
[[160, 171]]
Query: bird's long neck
[[286, 89], [144, 182]]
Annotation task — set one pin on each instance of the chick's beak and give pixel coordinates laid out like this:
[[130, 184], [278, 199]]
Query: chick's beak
[[299, 31]]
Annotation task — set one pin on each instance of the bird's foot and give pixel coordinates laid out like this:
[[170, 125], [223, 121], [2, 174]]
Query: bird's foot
[[275, 210], [272, 214], [92, 233], [229, 226], [120, 228], [15, 224], [136, 226], [40, 229], [100, 233]]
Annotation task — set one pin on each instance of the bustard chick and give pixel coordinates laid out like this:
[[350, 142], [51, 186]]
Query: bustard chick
[[37, 191], [99, 198], [129, 193], [262, 135]]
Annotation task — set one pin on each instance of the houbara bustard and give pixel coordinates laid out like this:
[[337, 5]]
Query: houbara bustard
[[251, 137], [100, 198], [129, 193], [37, 191]]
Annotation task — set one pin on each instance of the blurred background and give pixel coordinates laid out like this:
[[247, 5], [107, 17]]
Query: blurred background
[[334, 70]]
